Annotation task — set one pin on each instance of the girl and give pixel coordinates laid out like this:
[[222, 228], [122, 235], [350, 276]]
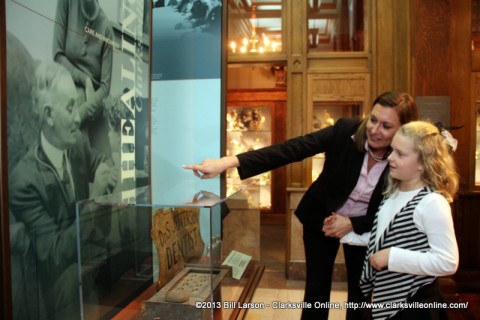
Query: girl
[[412, 240]]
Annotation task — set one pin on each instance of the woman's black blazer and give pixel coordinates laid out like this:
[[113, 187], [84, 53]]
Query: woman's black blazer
[[341, 170]]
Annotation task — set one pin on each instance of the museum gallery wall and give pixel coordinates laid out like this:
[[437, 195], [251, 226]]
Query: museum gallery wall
[[77, 127]]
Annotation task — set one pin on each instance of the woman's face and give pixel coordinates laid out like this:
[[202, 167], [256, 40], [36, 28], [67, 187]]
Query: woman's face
[[382, 126]]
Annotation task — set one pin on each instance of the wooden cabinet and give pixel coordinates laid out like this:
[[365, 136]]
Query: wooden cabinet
[[330, 97]]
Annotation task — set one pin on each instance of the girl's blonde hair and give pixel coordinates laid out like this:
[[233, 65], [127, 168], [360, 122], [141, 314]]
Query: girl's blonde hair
[[434, 154]]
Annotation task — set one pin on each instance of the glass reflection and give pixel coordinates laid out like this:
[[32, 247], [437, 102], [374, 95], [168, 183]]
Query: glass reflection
[[336, 25], [325, 114], [254, 27]]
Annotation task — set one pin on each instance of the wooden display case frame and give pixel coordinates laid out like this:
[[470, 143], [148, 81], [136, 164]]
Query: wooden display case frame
[[276, 100]]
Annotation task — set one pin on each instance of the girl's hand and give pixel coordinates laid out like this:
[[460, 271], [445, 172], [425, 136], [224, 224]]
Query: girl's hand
[[379, 260]]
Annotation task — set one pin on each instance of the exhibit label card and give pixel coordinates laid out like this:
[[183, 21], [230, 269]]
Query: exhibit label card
[[239, 262]]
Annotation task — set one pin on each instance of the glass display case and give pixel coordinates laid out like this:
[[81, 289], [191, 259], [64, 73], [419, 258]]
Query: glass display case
[[169, 255], [255, 27], [336, 26], [325, 114], [249, 128]]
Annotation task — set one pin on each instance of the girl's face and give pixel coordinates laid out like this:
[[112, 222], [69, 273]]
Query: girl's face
[[382, 126], [404, 163]]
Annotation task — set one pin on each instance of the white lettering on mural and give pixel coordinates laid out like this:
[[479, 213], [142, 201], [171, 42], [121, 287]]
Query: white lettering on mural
[[101, 37], [132, 77]]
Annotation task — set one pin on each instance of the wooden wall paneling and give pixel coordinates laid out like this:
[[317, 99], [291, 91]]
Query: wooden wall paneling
[[241, 96], [279, 182], [392, 47], [296, 116], [309, 121], [296, 83], [462, 109], [297, 31], [467, 224], [368, 10], [402, 46], [471, 161], [442, 67], [339, 62], [431, 47], [475, 35], [384, 46], [372, 31], [340, 87], [294, 254], [476, 60], [296, 105]]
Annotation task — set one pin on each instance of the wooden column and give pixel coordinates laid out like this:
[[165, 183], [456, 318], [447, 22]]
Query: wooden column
[[391, 46], [296, 85]]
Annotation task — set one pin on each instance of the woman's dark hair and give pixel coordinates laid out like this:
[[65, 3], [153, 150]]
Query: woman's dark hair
[[403, 103]]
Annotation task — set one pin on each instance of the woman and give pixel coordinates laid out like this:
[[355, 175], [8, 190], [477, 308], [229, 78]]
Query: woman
[[347, 192], [413, 240], [82, 43]]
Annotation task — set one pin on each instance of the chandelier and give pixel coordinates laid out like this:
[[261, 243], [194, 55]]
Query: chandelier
[[254, 43]]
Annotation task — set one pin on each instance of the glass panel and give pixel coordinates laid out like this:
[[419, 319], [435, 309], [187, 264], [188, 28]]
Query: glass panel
[[113, 267], [249, 128], [336, 25], [254, 27], [168, 253], [325, 114]]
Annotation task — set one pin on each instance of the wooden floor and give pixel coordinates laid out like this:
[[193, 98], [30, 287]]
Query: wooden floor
[[274, 286]]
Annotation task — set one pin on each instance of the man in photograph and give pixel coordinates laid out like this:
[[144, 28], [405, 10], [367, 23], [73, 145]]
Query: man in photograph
[[57, 171]]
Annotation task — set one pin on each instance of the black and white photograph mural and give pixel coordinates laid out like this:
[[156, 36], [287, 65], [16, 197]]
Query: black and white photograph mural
[[77, 128]]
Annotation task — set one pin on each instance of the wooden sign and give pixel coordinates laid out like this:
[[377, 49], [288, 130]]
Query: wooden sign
[[176, 234], [187, 222], [164, 234]]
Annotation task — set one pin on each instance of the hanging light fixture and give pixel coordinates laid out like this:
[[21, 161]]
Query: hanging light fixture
[[254, 44]]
